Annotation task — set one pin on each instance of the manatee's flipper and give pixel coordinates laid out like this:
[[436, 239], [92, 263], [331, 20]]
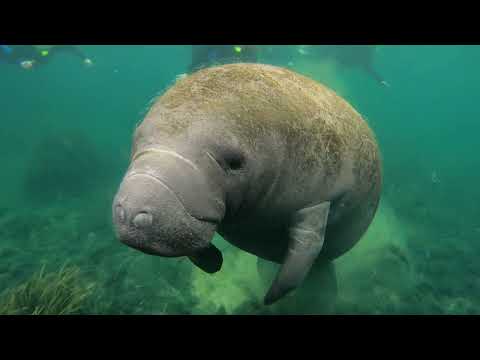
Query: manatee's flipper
[[307, 234], [266, 270], [209, 260]]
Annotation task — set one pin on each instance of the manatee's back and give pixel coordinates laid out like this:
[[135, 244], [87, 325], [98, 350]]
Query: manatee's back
[[305, 113]]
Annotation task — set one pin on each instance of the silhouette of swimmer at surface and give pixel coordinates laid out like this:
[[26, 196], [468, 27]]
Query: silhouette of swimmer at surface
[[208, 55], [354, 56], [29, 56]]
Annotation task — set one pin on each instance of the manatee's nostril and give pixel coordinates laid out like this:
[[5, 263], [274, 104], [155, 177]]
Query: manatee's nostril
[[120, 213], [142, 220]]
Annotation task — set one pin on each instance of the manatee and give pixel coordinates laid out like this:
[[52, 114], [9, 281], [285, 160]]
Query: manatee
[[276, 163]]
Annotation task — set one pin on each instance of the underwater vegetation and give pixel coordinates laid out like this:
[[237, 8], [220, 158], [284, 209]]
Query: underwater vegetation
[[79, 231], [56, 293]]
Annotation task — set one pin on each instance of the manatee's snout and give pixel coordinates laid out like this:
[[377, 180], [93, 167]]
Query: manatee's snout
[[134, 227], [159, 215], [142, 221]]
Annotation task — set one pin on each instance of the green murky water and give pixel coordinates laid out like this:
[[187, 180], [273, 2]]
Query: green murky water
[[65, 141]]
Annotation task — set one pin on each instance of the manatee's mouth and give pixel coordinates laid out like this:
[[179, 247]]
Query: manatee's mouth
[[152, 244], [163, 249]]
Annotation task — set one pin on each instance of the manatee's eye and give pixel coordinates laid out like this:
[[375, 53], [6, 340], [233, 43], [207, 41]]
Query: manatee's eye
[[234, 161], [230, 160]]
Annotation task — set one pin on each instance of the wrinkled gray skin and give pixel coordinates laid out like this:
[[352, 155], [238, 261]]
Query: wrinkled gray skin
[[274, 162]]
